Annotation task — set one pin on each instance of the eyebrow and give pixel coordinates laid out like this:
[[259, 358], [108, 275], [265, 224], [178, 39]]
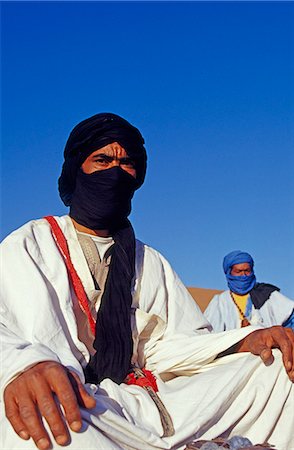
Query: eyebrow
[[102, 154], [111, 157]]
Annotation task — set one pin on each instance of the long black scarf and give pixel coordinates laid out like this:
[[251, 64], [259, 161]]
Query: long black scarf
[[113, 338], [102, 200]]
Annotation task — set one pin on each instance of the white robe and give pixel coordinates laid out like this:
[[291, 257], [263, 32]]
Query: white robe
[[223, 314], [205, 397]]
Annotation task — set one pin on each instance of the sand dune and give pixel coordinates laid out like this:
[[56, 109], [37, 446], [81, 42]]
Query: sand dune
[[202, 296]]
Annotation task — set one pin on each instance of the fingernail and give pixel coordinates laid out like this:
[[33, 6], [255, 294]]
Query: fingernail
[[61, 439], [24, 435], [288, 365], [76, 425], [43, 444]]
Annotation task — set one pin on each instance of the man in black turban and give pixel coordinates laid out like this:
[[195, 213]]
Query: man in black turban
[[94, 310], [104, 163]]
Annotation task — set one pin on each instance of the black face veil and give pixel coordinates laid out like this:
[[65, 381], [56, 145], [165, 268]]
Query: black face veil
[[113, 335], [92, 134]]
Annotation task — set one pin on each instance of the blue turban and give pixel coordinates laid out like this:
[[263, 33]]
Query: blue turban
[[239, 284]]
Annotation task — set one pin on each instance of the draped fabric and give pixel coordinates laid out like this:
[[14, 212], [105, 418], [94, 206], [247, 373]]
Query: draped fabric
[[113, 337], [236, 257], [233, 395], [102, 199], [261, 293], [241, 284]]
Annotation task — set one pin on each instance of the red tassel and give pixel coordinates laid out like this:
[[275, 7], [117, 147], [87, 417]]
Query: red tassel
[[148, 380]]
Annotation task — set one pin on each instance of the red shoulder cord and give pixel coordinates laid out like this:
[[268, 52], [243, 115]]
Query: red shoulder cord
[[75, 279]]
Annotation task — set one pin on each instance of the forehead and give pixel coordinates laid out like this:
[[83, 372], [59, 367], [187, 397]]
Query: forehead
[[114, 149], [241, 266]]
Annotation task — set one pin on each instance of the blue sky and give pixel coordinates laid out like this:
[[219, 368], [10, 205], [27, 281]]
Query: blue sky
[[209, 84]]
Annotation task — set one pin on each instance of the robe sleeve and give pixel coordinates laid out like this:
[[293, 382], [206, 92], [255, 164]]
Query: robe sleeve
[[289, 323], [18, 355], [30, 327]]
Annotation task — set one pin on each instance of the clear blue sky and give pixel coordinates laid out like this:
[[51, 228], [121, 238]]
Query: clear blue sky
[[211, 87]]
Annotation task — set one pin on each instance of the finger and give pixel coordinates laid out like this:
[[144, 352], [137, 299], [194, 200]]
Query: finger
[[290, 364], [260, 343], [33, 423], [51, 412], [68, 399], [267, 356], [84, 398], [22, 414], [12, 414], [283, 341]]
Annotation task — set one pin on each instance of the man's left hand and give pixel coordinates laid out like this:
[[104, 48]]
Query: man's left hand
[[261, 342]]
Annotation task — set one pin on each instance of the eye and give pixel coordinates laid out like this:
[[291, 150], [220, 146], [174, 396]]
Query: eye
[[101, 160], [127, 162]]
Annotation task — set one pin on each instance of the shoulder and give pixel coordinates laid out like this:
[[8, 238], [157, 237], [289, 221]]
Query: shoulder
[[222, 297], [155, 271], [151, 256], [277, 295], [218, 300], [32, 234], [147, 248], [25, 232], [279, 308]]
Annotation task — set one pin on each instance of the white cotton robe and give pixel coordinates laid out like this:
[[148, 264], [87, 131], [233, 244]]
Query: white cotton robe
[[206, 397], [223, 314]]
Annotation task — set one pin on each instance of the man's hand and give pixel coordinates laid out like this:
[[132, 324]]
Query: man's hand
[[30, 396], [260, 342]]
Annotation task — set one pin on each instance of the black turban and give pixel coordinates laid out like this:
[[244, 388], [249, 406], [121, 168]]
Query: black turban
[[92, 134]]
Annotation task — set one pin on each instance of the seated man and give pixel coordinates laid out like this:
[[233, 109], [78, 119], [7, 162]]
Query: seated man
[[246, 301], [102, 345]]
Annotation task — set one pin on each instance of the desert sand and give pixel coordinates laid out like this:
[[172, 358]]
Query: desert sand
[[202, 296]]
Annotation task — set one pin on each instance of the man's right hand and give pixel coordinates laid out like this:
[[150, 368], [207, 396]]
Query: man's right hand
[[30, 396]]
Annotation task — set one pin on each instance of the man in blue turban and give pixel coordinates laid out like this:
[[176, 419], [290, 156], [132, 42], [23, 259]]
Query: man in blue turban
[[247, 302]]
